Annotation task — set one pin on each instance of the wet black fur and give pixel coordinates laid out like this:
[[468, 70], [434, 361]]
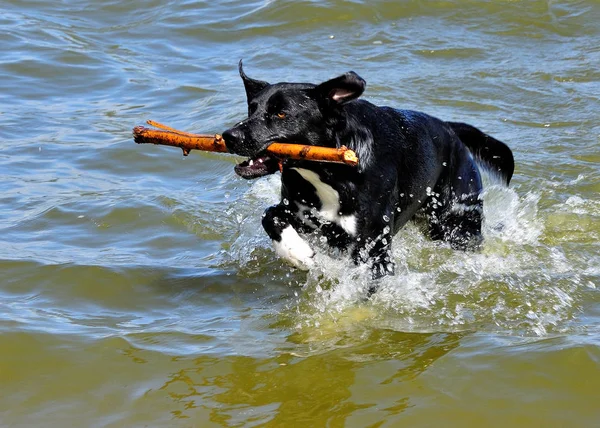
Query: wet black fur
[[402, 154]]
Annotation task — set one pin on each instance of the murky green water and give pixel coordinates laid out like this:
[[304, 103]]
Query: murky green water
[[138, 289]]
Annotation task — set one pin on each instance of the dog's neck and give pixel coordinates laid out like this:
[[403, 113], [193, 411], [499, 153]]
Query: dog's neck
[[356, 136]]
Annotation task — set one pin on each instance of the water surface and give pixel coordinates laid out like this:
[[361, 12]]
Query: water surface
[[138, 289]]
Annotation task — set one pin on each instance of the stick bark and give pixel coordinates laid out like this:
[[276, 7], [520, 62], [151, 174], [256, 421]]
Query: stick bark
[[187, 141]]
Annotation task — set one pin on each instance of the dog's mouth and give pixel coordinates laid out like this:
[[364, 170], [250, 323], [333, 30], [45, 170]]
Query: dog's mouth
[[258, 166]]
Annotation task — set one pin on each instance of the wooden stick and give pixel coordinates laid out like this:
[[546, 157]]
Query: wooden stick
[[209, 143], [314, 153], [168, 128], [160, 126], [187, 141]]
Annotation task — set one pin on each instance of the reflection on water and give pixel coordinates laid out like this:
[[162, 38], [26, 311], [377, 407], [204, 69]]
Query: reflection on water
[[293, 388]]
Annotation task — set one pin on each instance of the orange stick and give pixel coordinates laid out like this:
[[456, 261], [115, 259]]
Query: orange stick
[[187, 141], [209, 143], [314, 153], [168, 128]]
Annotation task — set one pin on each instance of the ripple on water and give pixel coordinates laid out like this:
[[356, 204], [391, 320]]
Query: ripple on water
[[130, 274]]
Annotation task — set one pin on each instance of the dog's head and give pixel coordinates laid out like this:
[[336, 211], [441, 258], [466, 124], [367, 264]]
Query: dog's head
[[299, 113]]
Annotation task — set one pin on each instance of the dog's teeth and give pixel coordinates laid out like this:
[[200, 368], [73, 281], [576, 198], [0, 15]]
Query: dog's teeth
[[251, 162], [261, 160]]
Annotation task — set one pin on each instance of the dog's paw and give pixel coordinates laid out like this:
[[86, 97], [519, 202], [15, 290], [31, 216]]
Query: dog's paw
[[294, 249]]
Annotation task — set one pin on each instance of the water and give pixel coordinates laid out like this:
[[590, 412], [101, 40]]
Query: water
[[138, 289]]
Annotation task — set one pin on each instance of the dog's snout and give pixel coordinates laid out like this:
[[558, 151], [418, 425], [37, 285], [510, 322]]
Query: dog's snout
[[234, 139]]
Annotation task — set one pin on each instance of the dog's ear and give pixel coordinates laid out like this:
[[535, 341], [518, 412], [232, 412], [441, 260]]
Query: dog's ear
[[342, 89], [252, 86]]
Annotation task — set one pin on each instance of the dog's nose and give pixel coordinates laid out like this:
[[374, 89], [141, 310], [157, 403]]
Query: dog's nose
[[234, 139]]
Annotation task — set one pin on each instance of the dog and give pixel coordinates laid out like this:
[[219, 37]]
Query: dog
[[410, 165]]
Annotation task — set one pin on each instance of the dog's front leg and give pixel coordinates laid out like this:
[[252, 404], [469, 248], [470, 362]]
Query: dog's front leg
[[374, 247], [282, 226]]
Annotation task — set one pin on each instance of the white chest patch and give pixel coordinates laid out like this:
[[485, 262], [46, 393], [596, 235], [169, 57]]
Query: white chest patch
[[330, 202]]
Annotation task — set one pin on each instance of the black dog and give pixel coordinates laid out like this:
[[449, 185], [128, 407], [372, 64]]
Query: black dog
[[409, 163]]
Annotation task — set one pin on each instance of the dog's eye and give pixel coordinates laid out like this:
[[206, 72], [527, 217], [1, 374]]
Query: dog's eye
[[281, 115]]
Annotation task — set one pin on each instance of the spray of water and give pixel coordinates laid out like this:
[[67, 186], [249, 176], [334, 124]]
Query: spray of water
[[516, 284]]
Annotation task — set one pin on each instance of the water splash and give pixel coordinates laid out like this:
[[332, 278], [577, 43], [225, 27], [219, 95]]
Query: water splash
[[517, 284]]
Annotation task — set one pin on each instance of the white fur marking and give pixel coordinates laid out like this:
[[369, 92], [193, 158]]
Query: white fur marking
[[330, 201], [348, 223], [330, 198], [294, 249]]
